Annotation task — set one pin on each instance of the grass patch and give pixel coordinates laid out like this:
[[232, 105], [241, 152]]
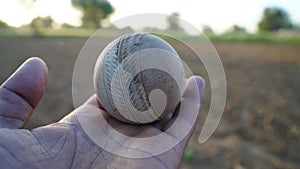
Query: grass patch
[[112, 33], [188, 154], [255, 38]]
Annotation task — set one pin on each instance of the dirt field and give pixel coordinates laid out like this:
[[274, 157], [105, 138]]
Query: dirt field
[[260, 126]]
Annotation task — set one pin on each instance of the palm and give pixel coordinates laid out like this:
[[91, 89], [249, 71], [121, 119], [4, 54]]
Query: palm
[[66, 144]]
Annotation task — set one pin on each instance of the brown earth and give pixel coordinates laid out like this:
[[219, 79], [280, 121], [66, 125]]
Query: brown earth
[[260, 126]]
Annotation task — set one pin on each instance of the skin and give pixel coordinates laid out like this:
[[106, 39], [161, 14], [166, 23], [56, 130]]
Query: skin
[[65, 144]]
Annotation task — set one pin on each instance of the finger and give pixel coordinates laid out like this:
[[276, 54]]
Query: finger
[[189, 107], [21, 93], [29, 81], [194, 89]]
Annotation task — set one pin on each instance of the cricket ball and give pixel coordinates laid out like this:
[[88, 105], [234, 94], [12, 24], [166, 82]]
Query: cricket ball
[[138, 78]]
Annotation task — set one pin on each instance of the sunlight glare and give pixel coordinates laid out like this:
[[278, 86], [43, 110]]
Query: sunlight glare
[[61, 11], [14, 14]]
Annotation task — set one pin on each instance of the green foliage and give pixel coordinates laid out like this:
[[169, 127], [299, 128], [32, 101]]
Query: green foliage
[[237, 29], [173, 21], [67, 26], [94, 11], [3, 24], [112, 32], [274, 19], [296, 27], [39, 24], [207, 30], [188, 154], [255, 38]]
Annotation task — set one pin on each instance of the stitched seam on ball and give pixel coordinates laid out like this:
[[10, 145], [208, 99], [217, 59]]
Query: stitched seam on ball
[[126, 45], [111, 64], [140, 95], [118, 91], [124, 105], [130, 46], [142, 92], [142, 77]]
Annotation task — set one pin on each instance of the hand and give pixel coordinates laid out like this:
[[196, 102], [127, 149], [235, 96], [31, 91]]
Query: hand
[[65, 144]]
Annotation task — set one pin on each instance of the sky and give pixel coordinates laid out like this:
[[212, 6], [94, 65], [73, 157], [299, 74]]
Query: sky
[[218, 14]]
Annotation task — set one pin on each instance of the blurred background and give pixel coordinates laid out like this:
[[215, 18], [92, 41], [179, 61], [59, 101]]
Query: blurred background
[[258, 42]]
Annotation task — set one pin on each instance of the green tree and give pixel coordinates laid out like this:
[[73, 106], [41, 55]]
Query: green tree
[[39, 24], [206, 29], [274, 19], [94, 11], [3, 24], [296, 27], [237, 29], [173, 21]]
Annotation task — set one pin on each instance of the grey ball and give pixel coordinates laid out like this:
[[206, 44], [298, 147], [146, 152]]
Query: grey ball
[[138, 78]]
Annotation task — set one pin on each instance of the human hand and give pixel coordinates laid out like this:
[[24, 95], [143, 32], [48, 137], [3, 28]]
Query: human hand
[[66, 144]]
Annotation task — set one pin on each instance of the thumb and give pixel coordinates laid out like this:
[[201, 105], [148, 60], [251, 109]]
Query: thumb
[[21, 93]]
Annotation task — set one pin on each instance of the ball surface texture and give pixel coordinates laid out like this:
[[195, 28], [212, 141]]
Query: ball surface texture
[[139, 78]]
